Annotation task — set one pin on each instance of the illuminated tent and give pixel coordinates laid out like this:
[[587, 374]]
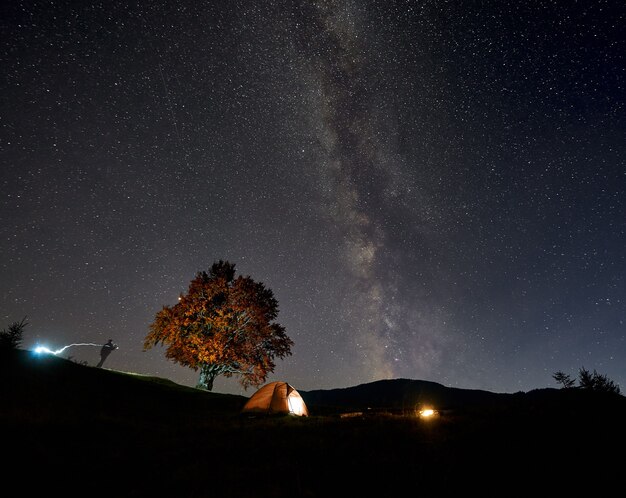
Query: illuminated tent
[[276, 398]]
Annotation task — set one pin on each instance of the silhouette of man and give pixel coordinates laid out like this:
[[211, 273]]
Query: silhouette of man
[[105, 351]]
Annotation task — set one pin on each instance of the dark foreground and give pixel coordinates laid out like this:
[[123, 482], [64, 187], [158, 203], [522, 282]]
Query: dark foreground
[[74, 430]]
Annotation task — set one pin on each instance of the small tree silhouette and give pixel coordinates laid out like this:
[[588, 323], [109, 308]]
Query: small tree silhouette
[[564, 379], [11, 338], [586, 379]]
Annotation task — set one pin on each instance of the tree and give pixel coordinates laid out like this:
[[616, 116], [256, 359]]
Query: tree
[[592, 381], [596, 382], [222, 326], [564, 379], [12, 338]]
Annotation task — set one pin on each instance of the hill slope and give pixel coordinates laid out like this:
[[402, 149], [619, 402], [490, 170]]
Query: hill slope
[[399, 395], [54, 387], [99, 432]]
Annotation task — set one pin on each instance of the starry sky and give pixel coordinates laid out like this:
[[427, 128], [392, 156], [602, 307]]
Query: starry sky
[[433, 190]]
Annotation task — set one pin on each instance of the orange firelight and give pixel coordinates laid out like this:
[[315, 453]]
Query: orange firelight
[[427, 413]]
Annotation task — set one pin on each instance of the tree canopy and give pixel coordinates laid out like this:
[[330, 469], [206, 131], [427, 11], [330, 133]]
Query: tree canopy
[[222, 326]]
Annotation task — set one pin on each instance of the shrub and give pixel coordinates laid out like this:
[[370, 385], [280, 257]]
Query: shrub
[[12, 337]]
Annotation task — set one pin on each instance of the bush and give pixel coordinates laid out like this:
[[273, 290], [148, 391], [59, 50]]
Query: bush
[[12, 337]]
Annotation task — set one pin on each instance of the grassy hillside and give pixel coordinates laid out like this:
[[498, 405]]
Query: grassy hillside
[[45, 386], [79, 430]]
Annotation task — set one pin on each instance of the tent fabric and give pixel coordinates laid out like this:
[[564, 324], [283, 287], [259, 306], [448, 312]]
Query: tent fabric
[[276, 398]]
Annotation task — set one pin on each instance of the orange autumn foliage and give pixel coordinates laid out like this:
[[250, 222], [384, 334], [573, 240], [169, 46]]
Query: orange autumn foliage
[[222, 326]]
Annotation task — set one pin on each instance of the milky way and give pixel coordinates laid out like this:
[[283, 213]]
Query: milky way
[[433, 190]]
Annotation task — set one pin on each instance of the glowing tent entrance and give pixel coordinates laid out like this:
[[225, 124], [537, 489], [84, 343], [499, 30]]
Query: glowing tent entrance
[[276, 398]]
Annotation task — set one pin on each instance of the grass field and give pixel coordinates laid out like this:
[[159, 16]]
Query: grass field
[[81, 431]]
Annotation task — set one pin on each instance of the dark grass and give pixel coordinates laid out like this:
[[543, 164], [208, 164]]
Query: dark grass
[[81, 431]]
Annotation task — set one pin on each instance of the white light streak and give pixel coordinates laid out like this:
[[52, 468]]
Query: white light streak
[[43, 349]]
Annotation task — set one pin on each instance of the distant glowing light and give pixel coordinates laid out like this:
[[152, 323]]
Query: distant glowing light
[[427, 413]]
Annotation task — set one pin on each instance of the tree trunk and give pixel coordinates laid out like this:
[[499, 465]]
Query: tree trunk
[[207, 376]]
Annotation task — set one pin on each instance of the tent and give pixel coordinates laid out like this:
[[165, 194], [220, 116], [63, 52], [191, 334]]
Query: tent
[[276, 398]]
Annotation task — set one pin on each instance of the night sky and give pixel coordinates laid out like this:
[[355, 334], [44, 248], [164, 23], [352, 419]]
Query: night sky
[[433, 190]]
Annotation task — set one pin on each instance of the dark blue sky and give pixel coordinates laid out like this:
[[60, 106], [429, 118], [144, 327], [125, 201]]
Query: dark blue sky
[[433, 190]]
